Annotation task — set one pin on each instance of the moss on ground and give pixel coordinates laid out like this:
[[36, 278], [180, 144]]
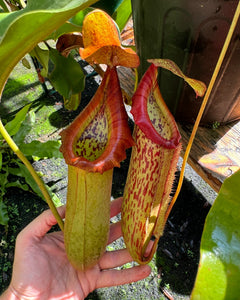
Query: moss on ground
[[21, 88]]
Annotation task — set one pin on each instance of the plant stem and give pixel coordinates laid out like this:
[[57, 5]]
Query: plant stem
[[204, 103], [30, 168]]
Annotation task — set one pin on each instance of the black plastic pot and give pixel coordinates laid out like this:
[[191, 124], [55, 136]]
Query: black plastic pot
[[191, 33]]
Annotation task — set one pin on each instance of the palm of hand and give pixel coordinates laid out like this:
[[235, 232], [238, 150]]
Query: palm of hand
[[41, 269], [47, 271]]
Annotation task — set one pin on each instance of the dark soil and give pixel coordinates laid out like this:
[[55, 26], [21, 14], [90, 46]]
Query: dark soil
[[175, 264]]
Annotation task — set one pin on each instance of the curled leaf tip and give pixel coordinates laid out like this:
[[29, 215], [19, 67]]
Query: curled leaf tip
[[198, 86], [102, 43], [67, 42], [97, 139]]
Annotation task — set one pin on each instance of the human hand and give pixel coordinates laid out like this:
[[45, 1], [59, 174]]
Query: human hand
[[41, 269]]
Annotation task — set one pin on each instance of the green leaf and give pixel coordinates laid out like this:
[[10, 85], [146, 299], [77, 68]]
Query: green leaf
[[26, 63], [109, 6], [13, 126], [65, 28], [67, 77], [48, 149], [3, 5], [57, 202], [42, 56], [3, 214], [25, 128], [23, 171], [74, 24], [78, 18], [22, 30], [0, 161], [122, 14], [73, 102], [219, 269], [18, 184]]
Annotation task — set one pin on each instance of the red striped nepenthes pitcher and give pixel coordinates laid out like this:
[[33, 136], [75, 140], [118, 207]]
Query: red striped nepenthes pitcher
[[153, 163]]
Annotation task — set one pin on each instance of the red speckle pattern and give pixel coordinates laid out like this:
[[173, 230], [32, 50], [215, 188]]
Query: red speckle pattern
[[146, 194]]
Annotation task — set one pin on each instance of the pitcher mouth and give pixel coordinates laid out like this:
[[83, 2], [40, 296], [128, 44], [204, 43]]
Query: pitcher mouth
[[151, 113], [97, 139]]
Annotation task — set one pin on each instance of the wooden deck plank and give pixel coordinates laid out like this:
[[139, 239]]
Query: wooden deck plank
[[215, 154]]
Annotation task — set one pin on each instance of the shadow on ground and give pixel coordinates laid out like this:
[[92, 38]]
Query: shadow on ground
[[178, 250]]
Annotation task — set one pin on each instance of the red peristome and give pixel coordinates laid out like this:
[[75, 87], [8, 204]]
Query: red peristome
[[109, 98], [147, 85]]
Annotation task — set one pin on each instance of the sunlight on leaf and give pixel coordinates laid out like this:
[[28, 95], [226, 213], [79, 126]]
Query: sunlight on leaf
[[219, 267], [13, 126], [41, 150], [26, 63], [122, 14], [19, 31], [73, 102]]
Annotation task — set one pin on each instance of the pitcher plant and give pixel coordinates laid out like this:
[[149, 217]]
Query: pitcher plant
[[94, 144], [96, 141], [151, 170], [153, 163]]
